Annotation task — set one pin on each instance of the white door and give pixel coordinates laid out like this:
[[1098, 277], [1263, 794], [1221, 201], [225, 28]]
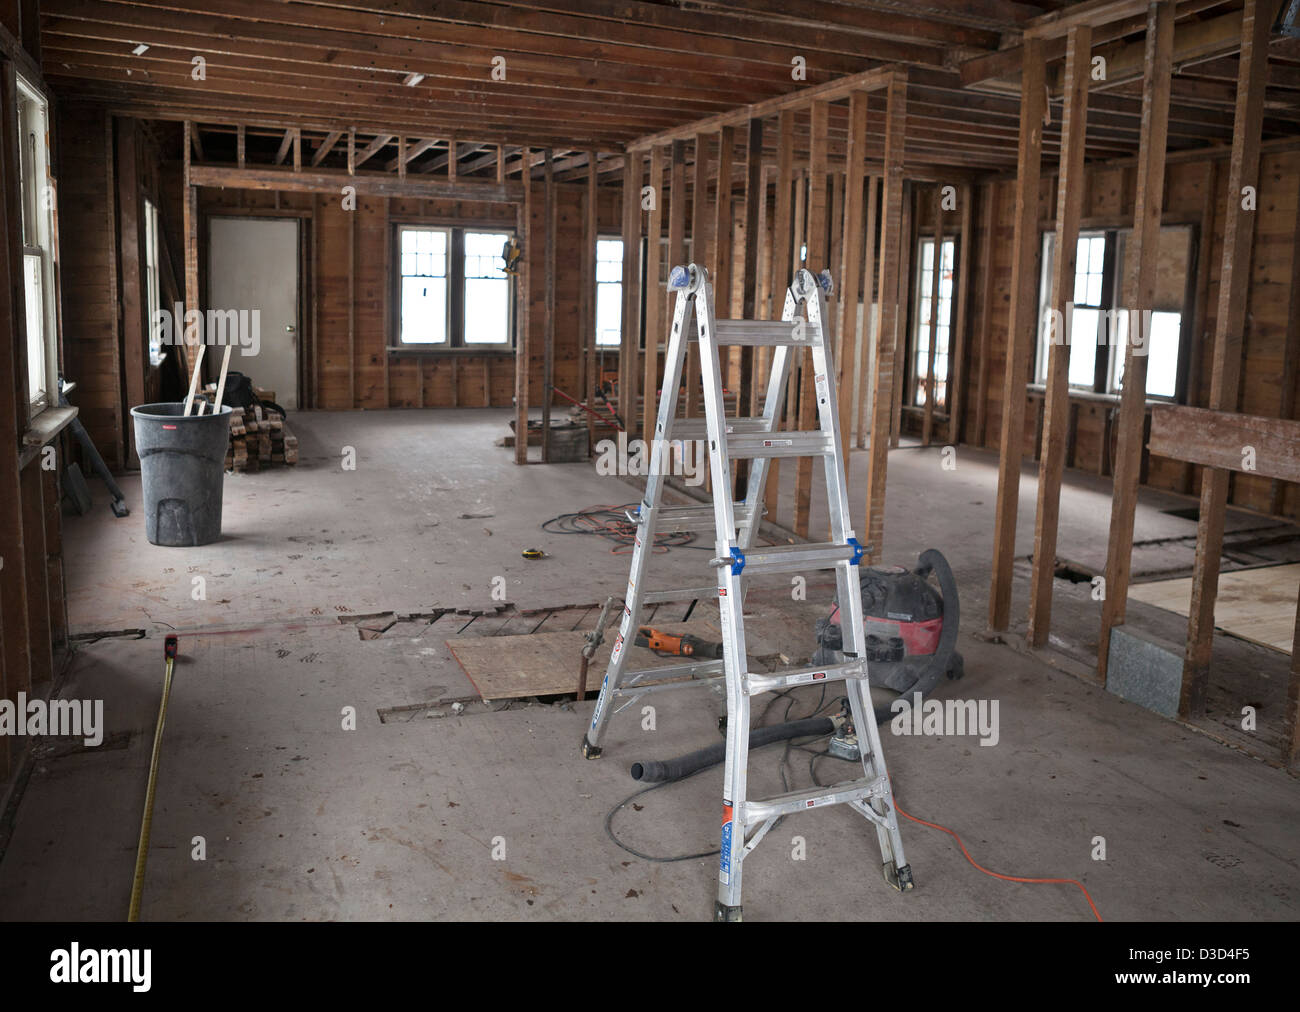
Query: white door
[[253, 265]]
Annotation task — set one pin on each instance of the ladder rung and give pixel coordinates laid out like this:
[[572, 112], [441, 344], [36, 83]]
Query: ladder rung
[[679, 519], [756, 683], [796, 558], [698, 428], [813, 797], [695, 670], [780, 444], [685, 594], [761, 333]]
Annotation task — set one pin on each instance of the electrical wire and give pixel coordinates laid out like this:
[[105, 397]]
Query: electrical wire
[[611, 523]]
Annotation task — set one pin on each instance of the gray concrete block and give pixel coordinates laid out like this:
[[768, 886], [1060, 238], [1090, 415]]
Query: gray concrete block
[[1145, 669]]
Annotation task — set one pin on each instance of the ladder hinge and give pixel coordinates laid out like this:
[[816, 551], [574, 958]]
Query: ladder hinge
[[857, 551]]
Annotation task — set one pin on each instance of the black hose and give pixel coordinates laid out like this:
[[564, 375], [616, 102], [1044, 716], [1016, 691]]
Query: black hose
[[652, 771]]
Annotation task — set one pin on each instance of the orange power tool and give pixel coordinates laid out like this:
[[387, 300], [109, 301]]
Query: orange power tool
[[672, 645]]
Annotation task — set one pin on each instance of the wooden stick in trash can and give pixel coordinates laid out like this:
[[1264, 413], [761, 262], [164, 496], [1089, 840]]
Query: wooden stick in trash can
[[221, 381], [194, 378]]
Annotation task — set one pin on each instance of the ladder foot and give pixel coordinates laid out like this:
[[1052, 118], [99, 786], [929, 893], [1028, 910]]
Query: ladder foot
[[722, 912], [590, 751], [900, 879]]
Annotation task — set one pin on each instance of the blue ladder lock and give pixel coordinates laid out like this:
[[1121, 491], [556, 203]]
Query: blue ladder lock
[[739, 564], [857, 551]]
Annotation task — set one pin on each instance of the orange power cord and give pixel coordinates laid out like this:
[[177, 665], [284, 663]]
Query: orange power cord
[[1005, 878]]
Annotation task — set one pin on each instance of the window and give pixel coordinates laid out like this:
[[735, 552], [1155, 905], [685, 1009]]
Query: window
[[921, 337], [1099, 311], [609, 292], [487, 289], [152, 287], [37, 192], [453, 291]]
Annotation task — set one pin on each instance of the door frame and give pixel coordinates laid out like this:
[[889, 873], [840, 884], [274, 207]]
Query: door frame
[[305, 354]]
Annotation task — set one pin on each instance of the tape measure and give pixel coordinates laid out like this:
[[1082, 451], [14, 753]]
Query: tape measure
[[534, 553]]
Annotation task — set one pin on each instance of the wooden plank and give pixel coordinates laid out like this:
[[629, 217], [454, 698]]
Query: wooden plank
[[782, 253], [987, 297], [1258, 605], [958, 336], [843, 87], [134, 325], [1229, 339], [323, 149], [864, 411], [16, 670], [700, 256], [190, 222], [546, 663], [882, 395], [240, 145], [1021, 332], [1056, 413], [749, 393], [723, 248], [587, 299], [1291, 354], [1087, 15], [906, 247], [1149, 183], [817, 261], [548, 290], [677, 236], [656, 303], [850, 281], [936, 276], [374, 184], [627, 358], [1227, 440], [523, 299]]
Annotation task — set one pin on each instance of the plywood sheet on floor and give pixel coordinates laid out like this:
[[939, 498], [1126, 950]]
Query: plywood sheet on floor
[[546, 664], [1258, 605]]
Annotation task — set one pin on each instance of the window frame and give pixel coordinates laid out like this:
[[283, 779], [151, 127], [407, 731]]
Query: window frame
[[595, 322], [919, 292], [38, 199], [455, 308]]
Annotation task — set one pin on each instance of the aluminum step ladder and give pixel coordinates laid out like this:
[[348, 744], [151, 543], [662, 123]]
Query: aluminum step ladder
[[746, 821]]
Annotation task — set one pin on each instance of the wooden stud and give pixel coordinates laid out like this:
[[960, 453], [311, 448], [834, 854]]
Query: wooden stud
[[1021, 331], [239, 145], [677, 226], [863, 393], [958, 338], [936, 276], [134, 322], [906, 247], [523, 343], [548, 329], [1229, 338], [816, 261], [587, 300], [1056, 412], [988, 294], [850, 282], [750, 392], [627, 359], [782, 273], [699, 255], [891, 208], [1149, 190], [656, 294]]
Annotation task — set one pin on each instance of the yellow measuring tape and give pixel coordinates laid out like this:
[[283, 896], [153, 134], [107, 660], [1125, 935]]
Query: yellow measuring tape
[[146, 824]]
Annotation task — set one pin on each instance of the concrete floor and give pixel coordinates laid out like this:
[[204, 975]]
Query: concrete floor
[[304, 820]]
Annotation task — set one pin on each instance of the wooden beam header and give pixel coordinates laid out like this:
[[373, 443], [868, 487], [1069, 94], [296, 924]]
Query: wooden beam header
[[375, 184], [831, 91]]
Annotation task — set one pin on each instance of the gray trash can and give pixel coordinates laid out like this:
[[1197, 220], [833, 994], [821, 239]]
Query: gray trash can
[[182, 471]]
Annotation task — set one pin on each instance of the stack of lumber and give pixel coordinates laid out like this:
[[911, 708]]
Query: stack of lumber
[[259, 438]]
